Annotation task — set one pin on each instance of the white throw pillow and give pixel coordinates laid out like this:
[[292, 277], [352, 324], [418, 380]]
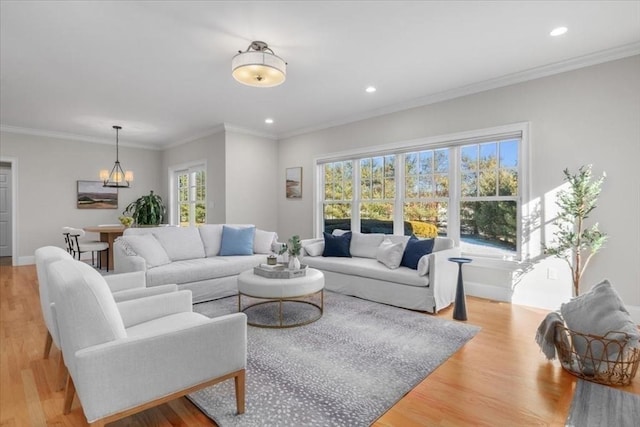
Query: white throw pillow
[[389, 253], [339, 232], [263, 240], [423, 265], [149, 248], [365, 245], [315, 249]]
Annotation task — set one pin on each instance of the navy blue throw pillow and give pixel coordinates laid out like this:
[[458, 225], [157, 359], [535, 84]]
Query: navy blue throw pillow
[[337, 245], [415, 250]]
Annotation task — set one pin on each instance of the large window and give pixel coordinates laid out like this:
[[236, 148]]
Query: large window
[[469, 189], [191, 196]]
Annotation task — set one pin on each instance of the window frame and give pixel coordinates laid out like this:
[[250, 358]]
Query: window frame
[[455, 142]]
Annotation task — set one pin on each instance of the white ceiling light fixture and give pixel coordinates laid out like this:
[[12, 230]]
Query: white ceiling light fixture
[[268, 121], [558, 31], [370, 89], [117, 178], [258, 66]]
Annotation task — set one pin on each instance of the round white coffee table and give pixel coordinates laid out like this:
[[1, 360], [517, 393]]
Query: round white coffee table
[[278, 291]]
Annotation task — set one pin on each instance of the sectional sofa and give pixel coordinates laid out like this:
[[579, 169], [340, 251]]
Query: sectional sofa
[[208, 259]]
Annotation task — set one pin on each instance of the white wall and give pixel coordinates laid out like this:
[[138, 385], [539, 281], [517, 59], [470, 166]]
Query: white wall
[[47, 171], [591, 115], [210, 150], [252, 180]]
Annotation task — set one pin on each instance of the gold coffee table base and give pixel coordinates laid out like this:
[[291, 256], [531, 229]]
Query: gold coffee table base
[[279, 301]]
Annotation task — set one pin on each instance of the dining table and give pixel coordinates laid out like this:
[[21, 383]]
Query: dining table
[[108, 233]]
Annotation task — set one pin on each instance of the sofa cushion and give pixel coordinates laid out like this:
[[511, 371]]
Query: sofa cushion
[[200, 269], [337, 246], [365, 245], [211, 235], [237, 241], [389, 253], [180, 242], [367, 267], [262, 241], [416, 249], [146, 246]]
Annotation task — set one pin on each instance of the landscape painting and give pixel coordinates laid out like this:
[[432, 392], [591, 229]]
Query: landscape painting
[[294, 183], [92, 195]]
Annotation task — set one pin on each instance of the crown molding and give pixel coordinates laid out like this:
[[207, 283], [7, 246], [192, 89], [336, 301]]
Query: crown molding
[[498, 82], [211, 131], [72, 137], [247, 131]]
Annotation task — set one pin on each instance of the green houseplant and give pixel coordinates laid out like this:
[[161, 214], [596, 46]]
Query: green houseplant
[[146, 210], [574, 241]]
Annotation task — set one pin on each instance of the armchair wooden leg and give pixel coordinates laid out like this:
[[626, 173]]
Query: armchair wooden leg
[[240, 387], [68, 395], [62, 373], [47, 345]]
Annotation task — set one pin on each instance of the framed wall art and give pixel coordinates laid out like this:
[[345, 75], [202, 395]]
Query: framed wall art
[[92, 195], [294, 183]]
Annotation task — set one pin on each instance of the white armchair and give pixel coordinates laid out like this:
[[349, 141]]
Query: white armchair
[[123, 286], [125, 358]]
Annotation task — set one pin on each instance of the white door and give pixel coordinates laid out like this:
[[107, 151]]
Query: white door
[[5, 211]]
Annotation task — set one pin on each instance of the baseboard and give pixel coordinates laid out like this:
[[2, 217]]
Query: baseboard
[[26, 260], [481, 290]]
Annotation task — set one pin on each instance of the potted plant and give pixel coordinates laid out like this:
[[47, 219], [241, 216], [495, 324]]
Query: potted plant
[[147, 210], [293, 248], [574, 241]]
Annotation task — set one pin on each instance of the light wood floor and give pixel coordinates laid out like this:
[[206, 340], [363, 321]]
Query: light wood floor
[[499, 378]]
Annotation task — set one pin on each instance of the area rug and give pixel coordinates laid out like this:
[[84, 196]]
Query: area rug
[[346, 369], [596, 405]]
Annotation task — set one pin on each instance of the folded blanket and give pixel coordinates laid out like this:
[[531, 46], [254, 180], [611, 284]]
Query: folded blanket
[[545, 336], [598, 312]]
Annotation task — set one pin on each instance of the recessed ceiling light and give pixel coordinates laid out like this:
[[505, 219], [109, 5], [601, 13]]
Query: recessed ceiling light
[[370, 89], [558, 31], [268, 121]]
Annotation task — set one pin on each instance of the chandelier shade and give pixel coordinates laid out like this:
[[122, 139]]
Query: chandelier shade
[[258, 66], [117, 178]]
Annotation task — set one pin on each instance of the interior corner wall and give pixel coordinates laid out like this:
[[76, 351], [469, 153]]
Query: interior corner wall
[[586, 116], [209, 149], [47, 173], [251, 180]]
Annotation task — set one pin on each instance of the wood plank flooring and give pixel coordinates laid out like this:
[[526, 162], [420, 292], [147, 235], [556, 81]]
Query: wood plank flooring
[[499, 378]]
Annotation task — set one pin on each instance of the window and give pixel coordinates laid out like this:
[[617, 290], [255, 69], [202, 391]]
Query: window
[[377, 194], [467, 187], [338, 195], [489, 197], [426, 192], [190, 208]]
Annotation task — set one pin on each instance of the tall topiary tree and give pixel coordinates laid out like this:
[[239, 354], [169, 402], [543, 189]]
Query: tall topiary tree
[[574, 241]]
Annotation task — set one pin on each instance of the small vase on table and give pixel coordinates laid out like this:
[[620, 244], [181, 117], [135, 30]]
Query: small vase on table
[[294, 262]]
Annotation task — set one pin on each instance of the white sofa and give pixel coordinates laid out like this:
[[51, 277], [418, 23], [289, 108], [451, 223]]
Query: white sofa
[[189, 257], [431, 287]]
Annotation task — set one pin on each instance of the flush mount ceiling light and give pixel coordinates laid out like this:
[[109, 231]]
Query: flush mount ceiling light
[[370, 89], [117, 178], [258, 66]]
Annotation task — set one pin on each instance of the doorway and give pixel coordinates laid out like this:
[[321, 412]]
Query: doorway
[[6, 213]]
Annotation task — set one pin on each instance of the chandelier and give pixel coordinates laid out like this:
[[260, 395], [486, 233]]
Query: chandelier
[[117, 178], [258, 66]]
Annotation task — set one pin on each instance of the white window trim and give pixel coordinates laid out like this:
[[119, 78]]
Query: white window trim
[[399, 148]]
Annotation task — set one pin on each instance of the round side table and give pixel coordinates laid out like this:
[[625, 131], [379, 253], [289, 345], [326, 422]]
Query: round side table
[[460, 306]]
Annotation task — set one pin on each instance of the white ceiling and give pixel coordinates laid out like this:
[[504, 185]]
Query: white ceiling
[[162, 70]]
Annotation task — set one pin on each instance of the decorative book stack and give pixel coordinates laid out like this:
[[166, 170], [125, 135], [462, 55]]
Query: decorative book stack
[[279, 271]]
